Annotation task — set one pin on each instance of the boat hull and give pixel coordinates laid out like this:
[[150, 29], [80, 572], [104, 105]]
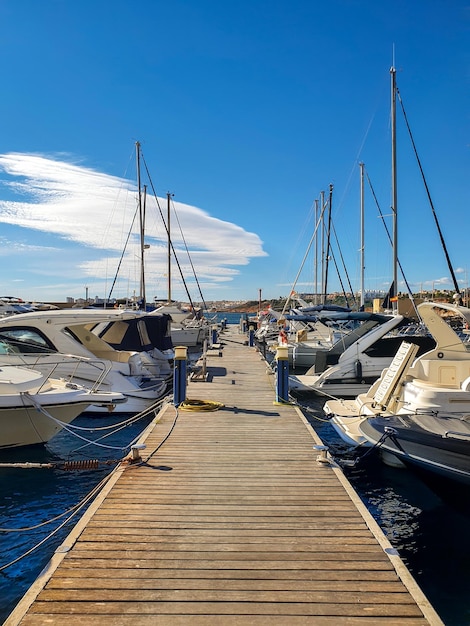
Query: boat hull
[[445, 453], [26, 425], [315, 385]]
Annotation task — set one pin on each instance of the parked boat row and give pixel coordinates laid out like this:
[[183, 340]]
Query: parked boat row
[[57, 364], [419, 409]]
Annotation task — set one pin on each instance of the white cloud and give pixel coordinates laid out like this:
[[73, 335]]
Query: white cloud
[[93, 212]]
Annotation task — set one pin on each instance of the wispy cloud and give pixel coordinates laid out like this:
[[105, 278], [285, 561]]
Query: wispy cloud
[[90, 215]]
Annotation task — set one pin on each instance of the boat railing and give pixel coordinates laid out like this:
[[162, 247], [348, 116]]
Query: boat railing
[[454, 434], [80, 370]]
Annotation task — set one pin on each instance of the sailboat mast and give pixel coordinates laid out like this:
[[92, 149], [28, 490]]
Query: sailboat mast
[[322, 217], [168, 196], [141, 206], [315, 261], [362, 301], [394, 291], [328, 235]]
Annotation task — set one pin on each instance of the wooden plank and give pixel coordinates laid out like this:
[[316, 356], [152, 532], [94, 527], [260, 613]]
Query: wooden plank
[[71, 570], [312, 609], [214, 620], [343, 586]]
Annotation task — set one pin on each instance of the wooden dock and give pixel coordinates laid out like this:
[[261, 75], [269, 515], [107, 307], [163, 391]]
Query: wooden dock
[[231, 520]]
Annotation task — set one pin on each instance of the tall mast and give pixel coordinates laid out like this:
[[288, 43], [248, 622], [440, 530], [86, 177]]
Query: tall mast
[[168, 196], [394, 291], [315, 261], [328, 235], [141, 206], [362, 301], [322, 214], [143, 247]]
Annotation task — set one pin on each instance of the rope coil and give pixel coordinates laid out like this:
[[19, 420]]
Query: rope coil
[[200, 405]]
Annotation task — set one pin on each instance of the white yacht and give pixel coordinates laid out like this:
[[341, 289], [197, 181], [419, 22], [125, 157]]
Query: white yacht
[[42, 337], [348, 370]]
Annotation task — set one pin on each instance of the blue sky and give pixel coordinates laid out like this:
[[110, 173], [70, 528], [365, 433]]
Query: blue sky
[[246, 111]]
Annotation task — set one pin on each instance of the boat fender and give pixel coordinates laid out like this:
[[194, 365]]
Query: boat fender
[[358, 369]]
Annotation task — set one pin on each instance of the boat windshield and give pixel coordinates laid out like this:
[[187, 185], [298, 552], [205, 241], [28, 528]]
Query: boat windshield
[[24, 341]]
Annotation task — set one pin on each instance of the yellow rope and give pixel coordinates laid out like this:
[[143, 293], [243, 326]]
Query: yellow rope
[[200, 405]]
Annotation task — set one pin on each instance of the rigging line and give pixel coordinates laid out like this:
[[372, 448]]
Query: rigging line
[[410, 293], [67, 512], [123, 186], [189, 256], [345, 269], [64, 523], [286, 266], [157, 448], [449, 264], [167, 231], [123, 253], [96, 442], [120, 427], [359, 152], [339, 277], [317, 225], [92, 429], [63, 425]]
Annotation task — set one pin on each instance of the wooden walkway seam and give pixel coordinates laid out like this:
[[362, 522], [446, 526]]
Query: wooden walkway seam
[[229, 520]]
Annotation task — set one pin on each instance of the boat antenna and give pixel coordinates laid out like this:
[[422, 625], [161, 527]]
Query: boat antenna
[[444, 247]]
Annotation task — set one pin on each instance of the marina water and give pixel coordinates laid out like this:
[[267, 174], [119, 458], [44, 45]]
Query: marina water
[[431, 535]]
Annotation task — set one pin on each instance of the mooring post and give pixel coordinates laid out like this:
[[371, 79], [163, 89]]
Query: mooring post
[[251, 336], [214, 334], [282, 379], [179, 375]]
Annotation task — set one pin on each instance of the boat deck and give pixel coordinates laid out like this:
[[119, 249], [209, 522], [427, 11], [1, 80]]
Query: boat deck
[[230, 520]]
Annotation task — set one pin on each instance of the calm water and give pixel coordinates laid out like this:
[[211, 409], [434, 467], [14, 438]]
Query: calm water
[[432, 536]]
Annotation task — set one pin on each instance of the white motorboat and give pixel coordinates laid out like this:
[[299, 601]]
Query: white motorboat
[[344, 328], [35, 407], [188, 328], [42, 337], [310, 330], [435, 384], [346, 371]]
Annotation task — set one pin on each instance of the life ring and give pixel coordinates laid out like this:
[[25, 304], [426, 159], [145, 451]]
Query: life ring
[[282, 337]]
